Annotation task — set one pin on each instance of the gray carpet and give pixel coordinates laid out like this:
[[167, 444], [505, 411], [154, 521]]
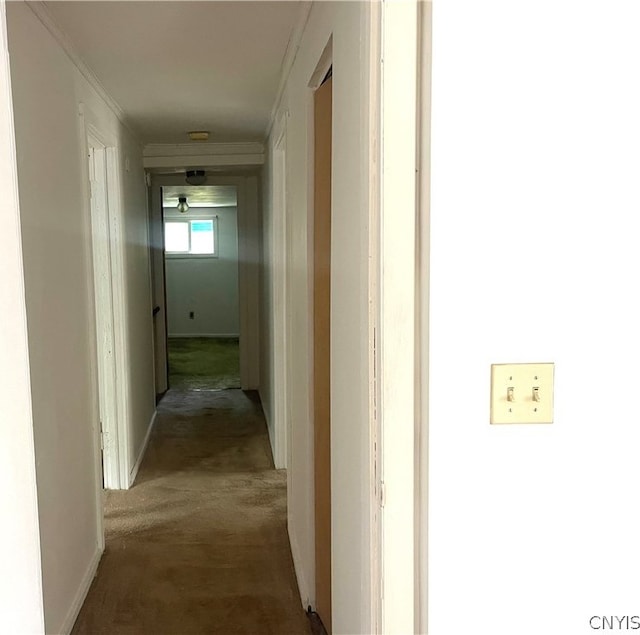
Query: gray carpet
[[199, 544]]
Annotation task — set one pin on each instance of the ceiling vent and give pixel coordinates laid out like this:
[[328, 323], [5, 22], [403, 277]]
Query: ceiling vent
[[199, 135], [196, 177]]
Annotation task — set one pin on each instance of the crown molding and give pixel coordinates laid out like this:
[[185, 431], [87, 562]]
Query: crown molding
[[289, 58], [41, 11]]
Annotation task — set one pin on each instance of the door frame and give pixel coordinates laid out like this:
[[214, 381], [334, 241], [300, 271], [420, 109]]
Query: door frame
[[248, 267], [108, 286], [280, 341], [402, 313]]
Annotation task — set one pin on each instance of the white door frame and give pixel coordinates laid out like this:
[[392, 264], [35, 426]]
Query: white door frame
[[279, 337], [112, 380], [423, 229], [403, 274]]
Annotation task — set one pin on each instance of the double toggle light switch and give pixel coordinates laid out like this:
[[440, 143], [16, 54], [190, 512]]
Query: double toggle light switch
[[522, 393], [535, 393]]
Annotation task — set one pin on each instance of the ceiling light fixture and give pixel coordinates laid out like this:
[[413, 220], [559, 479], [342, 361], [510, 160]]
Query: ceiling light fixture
[[196, 177], [183, 206], [199, 135]]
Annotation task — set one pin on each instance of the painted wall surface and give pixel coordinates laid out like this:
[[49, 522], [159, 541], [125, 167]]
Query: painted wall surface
[[206, 286], [266, 298], [349, 295], [21, 589], [250, 259], [47, 90], [535, 164]]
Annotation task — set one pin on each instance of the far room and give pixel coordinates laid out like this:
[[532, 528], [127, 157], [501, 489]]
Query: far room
[[201, 273]]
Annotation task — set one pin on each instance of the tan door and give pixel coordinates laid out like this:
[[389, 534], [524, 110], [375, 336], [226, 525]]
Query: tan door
[[322, 338]]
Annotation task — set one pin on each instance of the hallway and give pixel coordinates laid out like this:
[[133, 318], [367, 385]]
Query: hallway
[[199, 543], [201, 532]]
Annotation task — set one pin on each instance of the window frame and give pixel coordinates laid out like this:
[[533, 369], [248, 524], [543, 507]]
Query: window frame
[[187, 255]]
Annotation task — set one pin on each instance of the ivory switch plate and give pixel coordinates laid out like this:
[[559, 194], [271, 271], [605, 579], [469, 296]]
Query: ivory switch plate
[[522, 393]]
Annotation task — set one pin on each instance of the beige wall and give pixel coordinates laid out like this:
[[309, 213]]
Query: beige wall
[[349, 289], [21, 589], [58, 279], [534, 233], [206, 286], [266, 389]]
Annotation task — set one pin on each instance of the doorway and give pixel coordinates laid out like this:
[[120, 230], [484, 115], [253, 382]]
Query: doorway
[[201, 266], [112, 373]]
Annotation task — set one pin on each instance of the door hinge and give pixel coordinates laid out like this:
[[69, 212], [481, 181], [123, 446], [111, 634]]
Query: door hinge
[[383, 494]]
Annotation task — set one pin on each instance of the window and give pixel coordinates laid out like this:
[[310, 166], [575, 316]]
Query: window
[[191, 237]]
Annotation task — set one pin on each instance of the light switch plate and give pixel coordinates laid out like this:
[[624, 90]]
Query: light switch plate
[[513, 393]]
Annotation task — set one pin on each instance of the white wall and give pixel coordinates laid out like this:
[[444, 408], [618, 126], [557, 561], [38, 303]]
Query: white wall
[[250, 263], [58, 279], [206, 286], [349, 294], [21, 589], [535, 172], [267, 396]]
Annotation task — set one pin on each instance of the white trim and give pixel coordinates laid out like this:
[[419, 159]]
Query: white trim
[[293, 46], [193, 149], [120, 301], [41, 11], [115, 457], [280, 127], [203, 161], [81, 594], [279, 292], [397, 404], [374, 187], [422, 331], [143, 450], [102, 302], [210, 335]]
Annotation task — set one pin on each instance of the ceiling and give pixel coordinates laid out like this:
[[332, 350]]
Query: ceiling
[[180, 66], [200, 195]]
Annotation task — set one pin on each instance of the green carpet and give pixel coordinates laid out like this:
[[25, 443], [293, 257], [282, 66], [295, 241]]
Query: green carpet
[[203, 363]]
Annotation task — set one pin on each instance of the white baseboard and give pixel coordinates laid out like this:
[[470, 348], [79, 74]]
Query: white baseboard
[[303, 586], [211, 335], [81, 594], [143, 450]]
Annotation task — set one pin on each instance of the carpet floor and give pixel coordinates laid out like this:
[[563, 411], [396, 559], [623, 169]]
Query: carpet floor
[[199, 544], [204, 363]]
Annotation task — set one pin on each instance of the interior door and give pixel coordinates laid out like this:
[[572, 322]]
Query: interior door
[[322, 340]]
